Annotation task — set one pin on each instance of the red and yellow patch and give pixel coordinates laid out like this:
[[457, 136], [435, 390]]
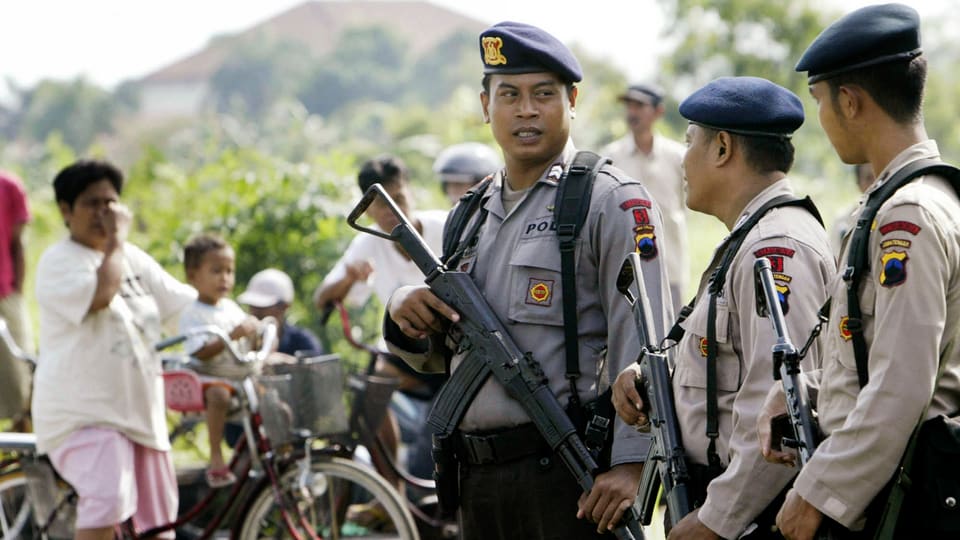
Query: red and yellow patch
[[703, 347], [845, 332], [540, 292], [635, 203], [894, 226], [492, 53]]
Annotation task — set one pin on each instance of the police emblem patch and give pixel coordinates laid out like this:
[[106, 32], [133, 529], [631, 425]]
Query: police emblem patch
[[703, 347], [845, 332], [783, 294], [646, 241], [492, 53], [540, 292], [894, 268]]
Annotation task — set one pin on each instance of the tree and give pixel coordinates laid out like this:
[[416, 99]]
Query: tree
[[76, 109]]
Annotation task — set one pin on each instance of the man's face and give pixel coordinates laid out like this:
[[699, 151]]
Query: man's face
[[833, 123], [85, 218], [381, 213], [529, 114], [696, 170], [641, 116]]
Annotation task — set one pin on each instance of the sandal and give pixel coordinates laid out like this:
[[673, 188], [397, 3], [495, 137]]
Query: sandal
[[221, 477]]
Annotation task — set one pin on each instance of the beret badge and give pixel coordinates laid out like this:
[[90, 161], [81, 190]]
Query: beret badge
[[492, 53]]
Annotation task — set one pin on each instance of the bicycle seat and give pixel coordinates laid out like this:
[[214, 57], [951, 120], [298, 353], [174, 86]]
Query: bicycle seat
[[183, 391]]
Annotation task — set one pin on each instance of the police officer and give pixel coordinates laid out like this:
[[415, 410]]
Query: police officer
[[866, 73], [462, 166], [655, 161], [519, 489], [736, 164]]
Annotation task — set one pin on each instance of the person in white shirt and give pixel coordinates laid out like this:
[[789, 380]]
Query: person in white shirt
[[98, 405], [655, 161], [373, 265], [209, 263]]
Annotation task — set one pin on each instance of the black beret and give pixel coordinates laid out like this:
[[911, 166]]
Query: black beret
[[512, 47], [643, 93], [865, 37], [745, 105]]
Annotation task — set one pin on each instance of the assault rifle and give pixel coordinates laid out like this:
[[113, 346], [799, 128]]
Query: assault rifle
[[786, 366], [490, 351], [657, 393]]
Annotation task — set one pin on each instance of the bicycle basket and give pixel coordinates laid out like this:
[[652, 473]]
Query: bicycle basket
[[50, 500], [371, 397], [304, 398]]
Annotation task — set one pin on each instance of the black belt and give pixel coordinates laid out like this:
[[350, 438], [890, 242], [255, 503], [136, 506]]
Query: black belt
[[500, 446]]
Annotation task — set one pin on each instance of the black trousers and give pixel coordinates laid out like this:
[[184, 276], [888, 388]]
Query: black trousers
[[530, 498]]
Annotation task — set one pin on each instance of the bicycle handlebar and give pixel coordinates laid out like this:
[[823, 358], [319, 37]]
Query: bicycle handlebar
[[268, 341], [12, 346]]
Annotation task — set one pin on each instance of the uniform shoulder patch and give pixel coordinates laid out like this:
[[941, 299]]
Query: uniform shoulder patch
[[894, 271], [901, 225]]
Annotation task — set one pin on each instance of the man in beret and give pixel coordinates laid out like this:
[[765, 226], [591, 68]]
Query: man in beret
[[736, 164], [655, 161], [866, 74], [511, 484]]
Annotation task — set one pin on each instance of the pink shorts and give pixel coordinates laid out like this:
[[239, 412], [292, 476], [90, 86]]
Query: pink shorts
[[116, 478]]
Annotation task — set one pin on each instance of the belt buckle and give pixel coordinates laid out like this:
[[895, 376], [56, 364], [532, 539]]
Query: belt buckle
[[481, 449]]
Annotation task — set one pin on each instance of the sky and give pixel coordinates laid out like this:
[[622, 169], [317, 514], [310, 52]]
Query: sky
[[108, 41]]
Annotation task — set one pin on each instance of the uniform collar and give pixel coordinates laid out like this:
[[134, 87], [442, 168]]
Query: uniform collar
[[492, 198], [778, 188], [922, 150]]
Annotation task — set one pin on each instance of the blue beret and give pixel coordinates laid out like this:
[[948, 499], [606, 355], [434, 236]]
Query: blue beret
[[643, 93], [512, 47], [745, 105], [865, 37]]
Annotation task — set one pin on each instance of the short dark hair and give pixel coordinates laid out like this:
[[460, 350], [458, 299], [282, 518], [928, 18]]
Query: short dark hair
[[385, 169], [75, 178], [764, 153], [200, 245], [485, 83], [897, 87]]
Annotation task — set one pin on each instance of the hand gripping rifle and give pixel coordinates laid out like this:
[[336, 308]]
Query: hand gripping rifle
[[490, 351], [657, 393], [786, 366]]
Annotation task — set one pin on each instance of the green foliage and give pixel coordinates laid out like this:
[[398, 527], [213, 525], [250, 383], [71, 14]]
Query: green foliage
[[77, 109]]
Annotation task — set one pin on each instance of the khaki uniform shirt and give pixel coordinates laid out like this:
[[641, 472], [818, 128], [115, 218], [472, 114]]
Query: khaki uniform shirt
[[803, 265], [516, 264], [910, 301], [660, 172]]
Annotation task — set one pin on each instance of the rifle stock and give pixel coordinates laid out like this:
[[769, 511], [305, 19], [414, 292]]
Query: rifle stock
[[486, 341], [655, 388]]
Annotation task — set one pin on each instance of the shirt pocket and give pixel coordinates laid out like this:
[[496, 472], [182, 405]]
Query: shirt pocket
[[536, 295], [692, 371]]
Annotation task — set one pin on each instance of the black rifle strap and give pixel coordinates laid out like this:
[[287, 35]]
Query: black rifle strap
[[715, 289], [460, 216], [676, 333], [570, 209], [858, 256]]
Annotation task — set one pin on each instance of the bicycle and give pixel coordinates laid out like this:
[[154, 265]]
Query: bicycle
[[285, 487], [371, 398]]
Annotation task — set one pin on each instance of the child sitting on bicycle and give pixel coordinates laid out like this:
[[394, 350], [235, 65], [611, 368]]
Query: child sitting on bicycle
[[209, 264]]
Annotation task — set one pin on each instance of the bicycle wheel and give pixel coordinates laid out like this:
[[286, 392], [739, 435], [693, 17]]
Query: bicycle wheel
[[340, 488], [16, 518]]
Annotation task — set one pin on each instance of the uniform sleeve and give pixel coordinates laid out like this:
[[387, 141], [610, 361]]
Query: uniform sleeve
[[749, 484], [628, 222], [907, 298], [65, 293]]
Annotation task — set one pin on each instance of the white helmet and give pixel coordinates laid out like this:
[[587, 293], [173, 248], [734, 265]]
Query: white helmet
[[466, 163]]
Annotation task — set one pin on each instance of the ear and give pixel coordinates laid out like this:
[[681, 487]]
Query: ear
[[850, 100], [723, 148], [484, 104], [574, 92], [65, 212]]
